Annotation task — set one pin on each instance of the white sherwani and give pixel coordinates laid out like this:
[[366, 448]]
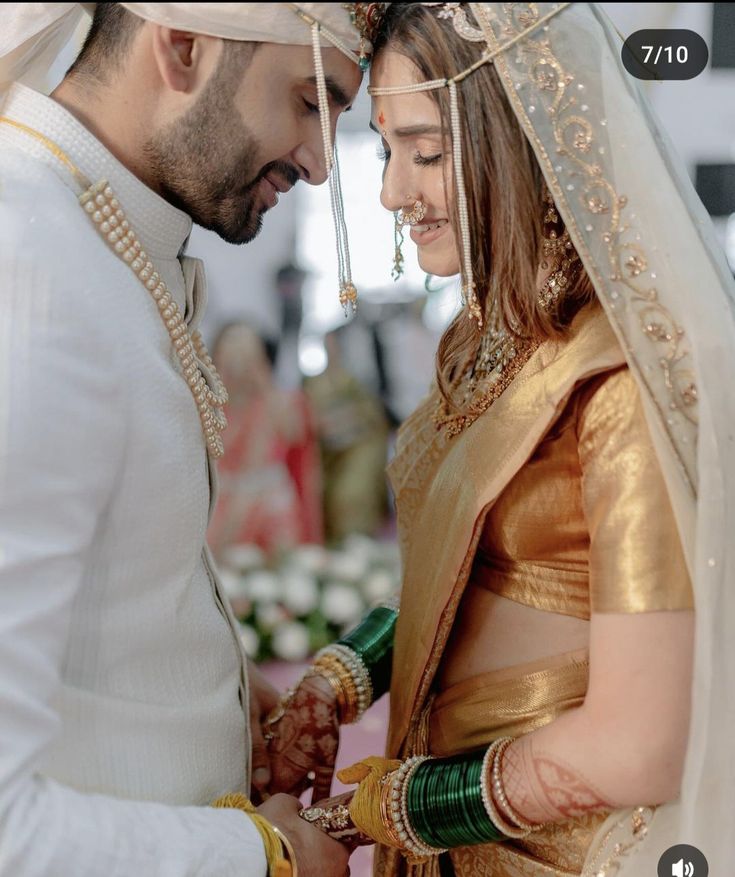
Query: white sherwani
[[121, 672]]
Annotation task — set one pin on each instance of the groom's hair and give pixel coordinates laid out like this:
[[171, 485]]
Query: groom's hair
[[107, 43], [111, 35]]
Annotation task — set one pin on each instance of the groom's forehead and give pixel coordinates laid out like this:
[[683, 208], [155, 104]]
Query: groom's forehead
[[297, 63]]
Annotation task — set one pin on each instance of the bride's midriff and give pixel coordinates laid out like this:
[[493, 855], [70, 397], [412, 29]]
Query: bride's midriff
[[492, 632]]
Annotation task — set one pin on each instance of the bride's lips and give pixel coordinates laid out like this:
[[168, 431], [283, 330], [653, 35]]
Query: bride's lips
[[427, 232]]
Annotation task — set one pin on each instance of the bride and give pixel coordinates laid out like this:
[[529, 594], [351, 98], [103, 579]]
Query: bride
[[558, 670]]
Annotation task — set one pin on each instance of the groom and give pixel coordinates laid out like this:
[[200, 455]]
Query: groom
[[125, 708]]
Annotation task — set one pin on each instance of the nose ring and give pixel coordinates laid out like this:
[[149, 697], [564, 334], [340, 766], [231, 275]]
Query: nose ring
[[412, 216]]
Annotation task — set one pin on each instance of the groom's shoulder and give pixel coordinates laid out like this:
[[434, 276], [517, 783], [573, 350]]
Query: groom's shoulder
[[40, 218]]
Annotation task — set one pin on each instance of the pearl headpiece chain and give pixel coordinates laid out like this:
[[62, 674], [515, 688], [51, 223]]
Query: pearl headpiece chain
[[468, 281], [103, 208], [347, 290], [326, 33]]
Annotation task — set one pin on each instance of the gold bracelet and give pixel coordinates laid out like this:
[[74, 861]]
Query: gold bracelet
[[290, 853], [337, 686], [274, 840], [347, 699]]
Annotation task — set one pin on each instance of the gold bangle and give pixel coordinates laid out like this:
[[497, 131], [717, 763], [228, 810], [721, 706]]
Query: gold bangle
[[347, 695], [274, 840], [385, 799], [335, 683], [290, 853]]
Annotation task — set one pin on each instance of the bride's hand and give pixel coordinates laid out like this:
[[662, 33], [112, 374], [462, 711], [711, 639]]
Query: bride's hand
[[332, 816], [302, 737]]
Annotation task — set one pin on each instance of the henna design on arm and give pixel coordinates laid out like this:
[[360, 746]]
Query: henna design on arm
[[544, 788]]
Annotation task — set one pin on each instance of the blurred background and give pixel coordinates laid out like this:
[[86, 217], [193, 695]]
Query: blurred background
[[304, 531]]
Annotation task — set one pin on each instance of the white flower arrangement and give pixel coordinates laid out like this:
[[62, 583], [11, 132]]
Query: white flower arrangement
[[290, 607], [342, 604], [291, 641]]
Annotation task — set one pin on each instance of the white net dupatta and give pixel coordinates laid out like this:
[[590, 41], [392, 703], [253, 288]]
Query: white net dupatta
[[650, 249]]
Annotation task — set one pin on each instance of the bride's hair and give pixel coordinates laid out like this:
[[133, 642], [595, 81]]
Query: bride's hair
[[503, 182]]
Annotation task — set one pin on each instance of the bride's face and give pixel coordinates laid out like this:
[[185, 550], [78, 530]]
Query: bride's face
[[418, 162]]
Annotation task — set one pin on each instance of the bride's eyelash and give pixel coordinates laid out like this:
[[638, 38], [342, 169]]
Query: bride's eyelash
[[423, 160], [426, 160]]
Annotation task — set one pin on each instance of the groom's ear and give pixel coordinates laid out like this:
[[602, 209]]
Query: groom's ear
[[184, 61]]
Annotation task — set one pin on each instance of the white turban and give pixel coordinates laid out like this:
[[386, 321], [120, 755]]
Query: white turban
[[33, 34]]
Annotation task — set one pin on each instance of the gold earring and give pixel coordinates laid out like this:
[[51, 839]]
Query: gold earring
[[557, 246], [557, 243], [397, 269]]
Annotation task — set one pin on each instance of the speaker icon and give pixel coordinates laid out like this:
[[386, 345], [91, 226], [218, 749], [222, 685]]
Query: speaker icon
[[682, 869], [682, 860]]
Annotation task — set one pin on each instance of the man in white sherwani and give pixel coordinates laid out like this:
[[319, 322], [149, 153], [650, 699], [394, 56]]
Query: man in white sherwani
[[124, 696]]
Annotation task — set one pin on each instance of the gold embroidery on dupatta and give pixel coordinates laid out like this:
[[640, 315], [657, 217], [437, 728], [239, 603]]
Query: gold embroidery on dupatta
[[631, 281]]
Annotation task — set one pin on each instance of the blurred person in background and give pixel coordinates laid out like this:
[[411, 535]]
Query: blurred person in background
[[353, 434], [269, 475], [408, 353], [289, 283]]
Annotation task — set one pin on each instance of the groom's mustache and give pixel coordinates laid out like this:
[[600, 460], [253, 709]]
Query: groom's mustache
[[279, 169]]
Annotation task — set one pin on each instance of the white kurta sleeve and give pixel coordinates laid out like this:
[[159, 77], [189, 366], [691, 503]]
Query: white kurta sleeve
[[62, 440]]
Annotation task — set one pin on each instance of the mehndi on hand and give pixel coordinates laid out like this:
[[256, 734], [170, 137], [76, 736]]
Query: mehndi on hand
[[302, 737]]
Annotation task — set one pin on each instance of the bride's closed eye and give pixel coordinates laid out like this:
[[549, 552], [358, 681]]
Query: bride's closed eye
[[426, 160], [423, 160]]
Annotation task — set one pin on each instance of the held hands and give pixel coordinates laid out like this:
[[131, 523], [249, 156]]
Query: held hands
[[317, 854], [263, 700], [302, 738], [333, 817]]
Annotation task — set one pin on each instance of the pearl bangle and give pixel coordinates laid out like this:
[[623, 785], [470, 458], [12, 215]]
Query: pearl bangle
[[402, 827], [491, 783]]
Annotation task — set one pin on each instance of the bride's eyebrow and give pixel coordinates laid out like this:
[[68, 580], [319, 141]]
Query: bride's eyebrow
[[413, 130]]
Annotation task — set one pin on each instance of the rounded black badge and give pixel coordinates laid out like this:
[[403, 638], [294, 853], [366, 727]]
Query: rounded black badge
[[682, 861], [660, 53]]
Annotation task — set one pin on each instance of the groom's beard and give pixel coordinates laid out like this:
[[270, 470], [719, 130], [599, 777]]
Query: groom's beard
[[206, 165]]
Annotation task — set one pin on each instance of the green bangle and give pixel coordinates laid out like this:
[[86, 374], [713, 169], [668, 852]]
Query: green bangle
[[372, 641], [445, 805]]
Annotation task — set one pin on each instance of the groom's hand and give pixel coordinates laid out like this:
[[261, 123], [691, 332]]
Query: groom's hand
[[303, 739], [263, 699], [317, 855]]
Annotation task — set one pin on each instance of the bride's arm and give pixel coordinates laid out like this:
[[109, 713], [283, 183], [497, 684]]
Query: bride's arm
[[625, 745]]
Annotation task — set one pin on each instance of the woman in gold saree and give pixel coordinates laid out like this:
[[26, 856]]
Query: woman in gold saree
[[564, 494]]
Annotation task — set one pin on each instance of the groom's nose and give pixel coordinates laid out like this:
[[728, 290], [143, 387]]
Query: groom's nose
[[309, 154]]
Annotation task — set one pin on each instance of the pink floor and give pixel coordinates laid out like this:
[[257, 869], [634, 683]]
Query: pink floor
[[357, 741]]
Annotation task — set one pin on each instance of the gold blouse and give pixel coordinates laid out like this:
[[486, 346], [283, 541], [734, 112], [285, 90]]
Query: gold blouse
[[586, 524]]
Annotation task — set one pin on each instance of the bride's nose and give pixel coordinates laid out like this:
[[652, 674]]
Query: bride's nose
[[395, 186]]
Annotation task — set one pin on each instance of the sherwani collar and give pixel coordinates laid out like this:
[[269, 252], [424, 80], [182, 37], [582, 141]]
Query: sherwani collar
[[162, 228]]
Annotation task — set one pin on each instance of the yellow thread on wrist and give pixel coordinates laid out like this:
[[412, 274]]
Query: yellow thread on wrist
[[274, 840], [365, 807]]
